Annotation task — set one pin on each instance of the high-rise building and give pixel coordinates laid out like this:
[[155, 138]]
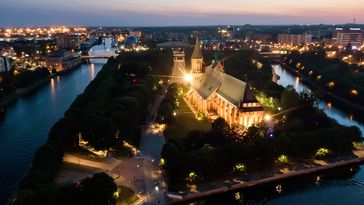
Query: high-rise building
[[65, 40], [294, 39], [354, 36], [4, 64]]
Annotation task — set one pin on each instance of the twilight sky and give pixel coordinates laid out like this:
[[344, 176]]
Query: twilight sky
[[173, 12]]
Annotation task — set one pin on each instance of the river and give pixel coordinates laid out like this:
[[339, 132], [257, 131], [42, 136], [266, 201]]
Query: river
[[27, 122], [341, 186]]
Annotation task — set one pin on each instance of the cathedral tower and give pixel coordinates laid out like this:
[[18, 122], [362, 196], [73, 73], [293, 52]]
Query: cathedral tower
[[197, 58], [179, 65]]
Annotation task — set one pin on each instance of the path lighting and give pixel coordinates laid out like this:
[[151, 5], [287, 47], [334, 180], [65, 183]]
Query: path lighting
[[283, 159], [188, 77], [354, 92], [331, 84], [322, 152], [162, 162], [192, 177], [239, 167]]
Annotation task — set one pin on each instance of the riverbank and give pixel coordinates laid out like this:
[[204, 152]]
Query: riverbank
[[37, 113], [328, 96], [8, 100], [292, 170]]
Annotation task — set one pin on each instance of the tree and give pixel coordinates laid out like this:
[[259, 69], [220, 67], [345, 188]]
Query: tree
[[219, 125], [289, 98], [100, 133], [165, 112], [349, 48], [99, 189]]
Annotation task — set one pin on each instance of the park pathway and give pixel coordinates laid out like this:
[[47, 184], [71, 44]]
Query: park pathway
[[151, 147]]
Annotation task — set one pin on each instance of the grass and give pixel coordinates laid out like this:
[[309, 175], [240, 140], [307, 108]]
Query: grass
[[126, 195], [185, 122]]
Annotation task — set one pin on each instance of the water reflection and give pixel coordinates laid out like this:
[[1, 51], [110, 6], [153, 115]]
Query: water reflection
[[340, 116], [53, 90], [92, 67], [297, 84], [27, 122], [350, 116]]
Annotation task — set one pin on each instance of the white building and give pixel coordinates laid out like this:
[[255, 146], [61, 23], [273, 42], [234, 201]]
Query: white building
[[354, 36], [4, 64], [294, 39]]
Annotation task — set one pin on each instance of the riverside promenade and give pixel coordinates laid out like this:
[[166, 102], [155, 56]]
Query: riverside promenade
[[296, 170]]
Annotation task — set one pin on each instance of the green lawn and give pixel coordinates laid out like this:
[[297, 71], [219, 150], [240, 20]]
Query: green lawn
[[185, 122]]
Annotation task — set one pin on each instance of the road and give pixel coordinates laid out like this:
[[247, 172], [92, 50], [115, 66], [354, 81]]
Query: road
[[151, 146]]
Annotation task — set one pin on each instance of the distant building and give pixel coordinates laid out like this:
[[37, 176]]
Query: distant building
[[131, 42], [4, 64], [65, 40], [173, 45], [217, 94], [354, 36], [7, 51], [227, 33], [263, 38], [62, 60], [137, 34], [294, 39]]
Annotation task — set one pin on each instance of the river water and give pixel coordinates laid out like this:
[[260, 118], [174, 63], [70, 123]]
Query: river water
[[27, 122], [341, 186]]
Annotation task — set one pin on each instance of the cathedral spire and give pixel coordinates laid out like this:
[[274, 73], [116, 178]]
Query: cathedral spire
[[197, 51]]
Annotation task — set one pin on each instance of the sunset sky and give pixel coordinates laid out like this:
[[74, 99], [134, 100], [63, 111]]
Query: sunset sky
[[172, 12]]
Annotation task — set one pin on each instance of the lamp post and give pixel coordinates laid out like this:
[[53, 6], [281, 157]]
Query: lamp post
[[269, 122]]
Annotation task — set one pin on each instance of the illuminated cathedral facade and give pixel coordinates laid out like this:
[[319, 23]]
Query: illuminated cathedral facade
[[218, 94]]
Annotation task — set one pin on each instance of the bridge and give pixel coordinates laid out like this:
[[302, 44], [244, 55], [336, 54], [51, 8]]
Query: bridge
[[95, 57]]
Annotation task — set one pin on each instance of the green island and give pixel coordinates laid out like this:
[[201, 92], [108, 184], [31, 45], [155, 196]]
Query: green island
[[215, 151]]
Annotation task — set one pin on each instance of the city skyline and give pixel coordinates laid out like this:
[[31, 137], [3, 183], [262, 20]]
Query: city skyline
[[161, 13]]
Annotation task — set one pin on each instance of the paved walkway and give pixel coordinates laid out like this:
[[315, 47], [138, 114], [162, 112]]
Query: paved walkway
[[106, 164], [294, 169], [151, 147]]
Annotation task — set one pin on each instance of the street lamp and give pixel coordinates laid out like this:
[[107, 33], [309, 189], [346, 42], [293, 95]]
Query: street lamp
[[268, 120], [267, 117]]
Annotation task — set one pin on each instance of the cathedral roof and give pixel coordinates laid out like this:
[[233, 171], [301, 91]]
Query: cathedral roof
[[197, 50], [232, 89], [210, 82], [228, 87]]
